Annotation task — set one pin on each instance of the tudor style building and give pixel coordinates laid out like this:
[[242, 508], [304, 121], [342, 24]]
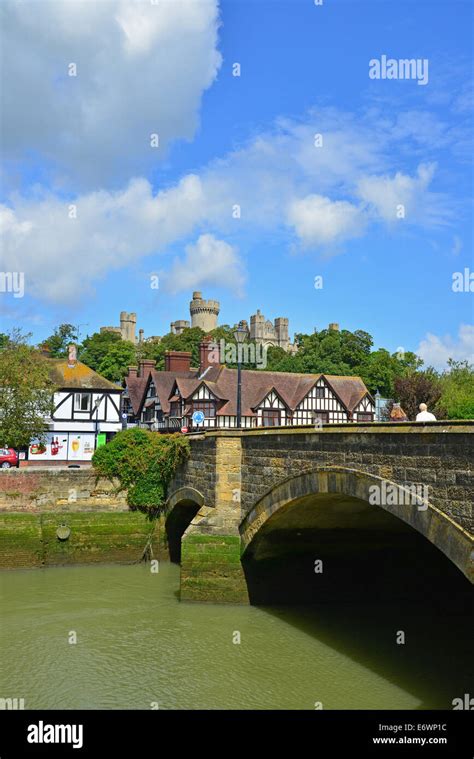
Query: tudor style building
[[87, 411], [166, 400]]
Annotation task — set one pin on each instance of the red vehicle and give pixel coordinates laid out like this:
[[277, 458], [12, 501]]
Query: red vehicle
[[8, 458]]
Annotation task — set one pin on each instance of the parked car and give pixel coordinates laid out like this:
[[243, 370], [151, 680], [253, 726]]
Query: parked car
[[8, 458]]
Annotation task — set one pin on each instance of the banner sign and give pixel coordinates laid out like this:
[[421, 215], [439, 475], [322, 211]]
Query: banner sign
[[63, 446]]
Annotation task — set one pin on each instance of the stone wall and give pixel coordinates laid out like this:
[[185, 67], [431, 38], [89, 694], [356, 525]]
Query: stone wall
[[210, 547], [34, 490], [233, 470], [29, 540], [199, 471], [34, 502], [440, 457]]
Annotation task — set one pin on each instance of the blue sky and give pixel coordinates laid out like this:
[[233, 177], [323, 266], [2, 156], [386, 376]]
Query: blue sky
[[83, 143]]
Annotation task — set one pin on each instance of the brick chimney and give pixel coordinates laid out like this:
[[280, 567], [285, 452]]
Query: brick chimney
[[208, 353], [145, 365], [177, 361], [45, 350], [132, 371]]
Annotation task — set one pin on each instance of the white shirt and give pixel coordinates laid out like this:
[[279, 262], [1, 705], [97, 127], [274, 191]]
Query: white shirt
[[425, 416]]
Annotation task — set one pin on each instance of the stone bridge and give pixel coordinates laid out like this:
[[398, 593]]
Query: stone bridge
[[359, 496]]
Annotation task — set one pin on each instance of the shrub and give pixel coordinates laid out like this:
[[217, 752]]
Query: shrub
[[144, 463]]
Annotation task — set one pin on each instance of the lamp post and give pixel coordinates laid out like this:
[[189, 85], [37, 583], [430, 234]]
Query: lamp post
[[240, 334], [377, 405], [95, 411]]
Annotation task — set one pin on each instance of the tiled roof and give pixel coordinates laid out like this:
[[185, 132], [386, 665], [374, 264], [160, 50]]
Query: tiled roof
[[256, 385], [164, 383], [78, 376], [136, 388]]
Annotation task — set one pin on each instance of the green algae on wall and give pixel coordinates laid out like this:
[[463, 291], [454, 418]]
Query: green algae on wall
[[211, 569], [30, 540]]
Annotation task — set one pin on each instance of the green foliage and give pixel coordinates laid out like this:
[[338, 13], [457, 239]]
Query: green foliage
[[144, 462], [96, 347], [62, 337], [188, 341], [26, 392], [115, 363], [457, 391]]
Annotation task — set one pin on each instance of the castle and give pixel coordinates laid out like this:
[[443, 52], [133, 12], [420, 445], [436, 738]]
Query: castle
[[127, 329], [204, 314]]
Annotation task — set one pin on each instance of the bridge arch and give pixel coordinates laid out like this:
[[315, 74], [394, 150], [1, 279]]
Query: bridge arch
[[439, 529], [181, 508]]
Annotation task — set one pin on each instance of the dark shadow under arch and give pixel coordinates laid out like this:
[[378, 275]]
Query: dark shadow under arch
[[181, 509], [327, 484]]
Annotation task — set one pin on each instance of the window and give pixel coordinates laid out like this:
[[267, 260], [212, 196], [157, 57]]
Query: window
[[208, 407], [82, 401], [149, 414], [323, 416], [271, 417], [174, 408], [365, 417], [320, 391]]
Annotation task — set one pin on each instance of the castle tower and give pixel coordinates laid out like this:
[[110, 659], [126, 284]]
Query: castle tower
[[177, 327], [204, 313], [257, 326], [128, 323], [281, 329]]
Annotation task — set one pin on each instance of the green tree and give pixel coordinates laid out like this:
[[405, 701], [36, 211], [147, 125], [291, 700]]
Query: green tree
[[144, 463], [58, 342], [26, 392], [380, 370], [115, 363], [189, 340], [96, 347], [457, 391]]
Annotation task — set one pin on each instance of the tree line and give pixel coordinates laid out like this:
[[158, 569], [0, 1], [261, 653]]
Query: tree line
[[399, 376]]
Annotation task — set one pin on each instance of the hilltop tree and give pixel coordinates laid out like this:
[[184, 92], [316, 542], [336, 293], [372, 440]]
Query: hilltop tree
[[380, 370], [457, 391], [58, 342], [26, 392], [115, 363], [188, 340], [96, 347]]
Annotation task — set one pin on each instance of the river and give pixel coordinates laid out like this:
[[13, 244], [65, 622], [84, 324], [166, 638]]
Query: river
[[138, 647]]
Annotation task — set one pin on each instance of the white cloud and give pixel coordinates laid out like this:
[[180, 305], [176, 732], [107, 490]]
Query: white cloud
[[435, 351], [385, 194], [142, 68], [62, 255], [320, 221], [207, 262], [64, 249], [278, 190]]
